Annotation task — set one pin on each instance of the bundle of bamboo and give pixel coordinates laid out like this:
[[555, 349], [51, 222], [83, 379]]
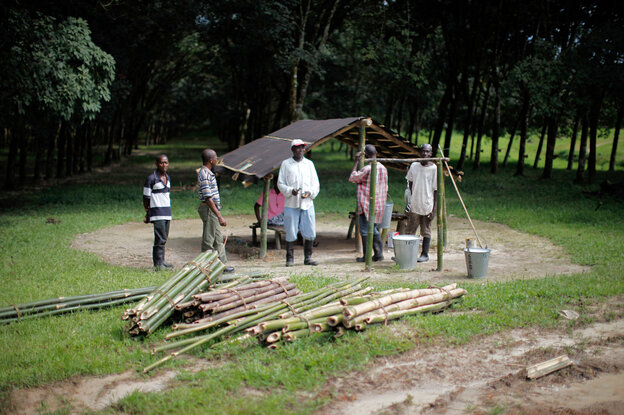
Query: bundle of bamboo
[[237, 322], [156, 307], [62, 305], [355, 312], [217, 304]]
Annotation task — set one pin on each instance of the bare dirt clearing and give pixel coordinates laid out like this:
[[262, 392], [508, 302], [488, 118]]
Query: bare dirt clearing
[[486, 376], [514, 254]]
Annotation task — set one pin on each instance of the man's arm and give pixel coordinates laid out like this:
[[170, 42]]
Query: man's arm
[[435, 204], [214, 209], [358, 176], [316, 187], [281, 182]]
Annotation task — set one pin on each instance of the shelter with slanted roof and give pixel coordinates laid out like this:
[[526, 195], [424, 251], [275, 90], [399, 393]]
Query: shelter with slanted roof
[[255, 160], [258, 159]]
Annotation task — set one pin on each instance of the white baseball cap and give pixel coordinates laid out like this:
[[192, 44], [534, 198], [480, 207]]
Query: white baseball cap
[[297, 142]]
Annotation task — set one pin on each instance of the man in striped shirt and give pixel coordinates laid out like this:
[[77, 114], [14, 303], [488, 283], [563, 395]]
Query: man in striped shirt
[[362, 179], [210, 207], [157, 206]]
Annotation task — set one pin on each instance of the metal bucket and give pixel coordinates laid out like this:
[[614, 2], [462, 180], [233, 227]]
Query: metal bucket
[[387, 216], [477, 260], [406, 250]]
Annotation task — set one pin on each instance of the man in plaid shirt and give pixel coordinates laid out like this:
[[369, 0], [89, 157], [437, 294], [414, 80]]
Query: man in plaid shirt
[[362, 179]]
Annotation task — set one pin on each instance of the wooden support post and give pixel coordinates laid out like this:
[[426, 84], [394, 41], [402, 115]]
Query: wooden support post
[[371, 214], [362, 142], [444, 213], [439, 216], [265, 215]]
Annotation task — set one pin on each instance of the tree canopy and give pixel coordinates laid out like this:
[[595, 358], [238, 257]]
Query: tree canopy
[[85, 79]]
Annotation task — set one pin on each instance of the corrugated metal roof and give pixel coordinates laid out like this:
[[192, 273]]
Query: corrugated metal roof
[[255, 160]]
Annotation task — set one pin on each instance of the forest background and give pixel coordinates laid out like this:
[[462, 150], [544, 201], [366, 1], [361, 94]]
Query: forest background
[[85, 82]]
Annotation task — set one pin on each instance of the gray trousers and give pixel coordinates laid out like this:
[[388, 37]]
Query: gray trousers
[[212, 238]]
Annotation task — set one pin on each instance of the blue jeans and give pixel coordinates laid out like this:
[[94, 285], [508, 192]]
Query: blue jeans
[[364, 226], [296, 220]]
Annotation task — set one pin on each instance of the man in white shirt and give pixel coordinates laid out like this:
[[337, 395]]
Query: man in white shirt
[[299, 184], [422, 177]]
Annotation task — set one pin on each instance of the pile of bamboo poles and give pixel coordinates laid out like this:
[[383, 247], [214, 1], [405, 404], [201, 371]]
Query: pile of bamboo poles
[[200, 274], [61, 305], [356, 313], [238, 322], [217, 304]]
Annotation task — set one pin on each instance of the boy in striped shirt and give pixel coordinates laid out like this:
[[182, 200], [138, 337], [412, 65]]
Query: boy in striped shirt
[[157, 206]]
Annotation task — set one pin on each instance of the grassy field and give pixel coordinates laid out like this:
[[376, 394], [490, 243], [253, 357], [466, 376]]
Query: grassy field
[[38, 262]]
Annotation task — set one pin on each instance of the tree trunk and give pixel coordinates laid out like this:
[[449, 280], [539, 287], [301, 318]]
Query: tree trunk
[[573, 141], [495, 131], [616, 136], [60, 151], [294, 70], [594, 115], [550, 147], [442, 108], [303, 88], [69, 160], [411, 123], [399, 115], [449, 128], [9, 180], [51, 141], [468, 125], [524, 113], [292, 96], [486, 98], [40, 147], [580, 170], [389, 116], [90, 139], [241, 141], [540, 144], [23, 156], [511, 138]]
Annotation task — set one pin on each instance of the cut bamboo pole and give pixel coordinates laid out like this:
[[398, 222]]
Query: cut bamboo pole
[[355, 310], [44, 307], [547, 367]]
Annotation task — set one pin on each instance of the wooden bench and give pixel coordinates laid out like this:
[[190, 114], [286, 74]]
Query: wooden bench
[[400, 218], [279, 231]]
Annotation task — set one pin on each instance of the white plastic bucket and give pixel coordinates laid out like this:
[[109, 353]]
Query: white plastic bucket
[[387, 216], [477, 260], [406, 250]]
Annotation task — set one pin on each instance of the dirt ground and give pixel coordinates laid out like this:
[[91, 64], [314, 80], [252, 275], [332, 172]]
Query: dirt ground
[[485, 377], [513, 254]]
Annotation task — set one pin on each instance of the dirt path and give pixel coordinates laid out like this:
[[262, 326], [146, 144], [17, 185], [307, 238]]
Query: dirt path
[[514, 254], [490, 374]]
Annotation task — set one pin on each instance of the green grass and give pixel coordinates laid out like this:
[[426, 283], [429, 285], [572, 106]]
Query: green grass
[[38, 262]]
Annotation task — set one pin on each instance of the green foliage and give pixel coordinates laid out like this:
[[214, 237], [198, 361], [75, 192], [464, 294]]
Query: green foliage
[[54, 67]]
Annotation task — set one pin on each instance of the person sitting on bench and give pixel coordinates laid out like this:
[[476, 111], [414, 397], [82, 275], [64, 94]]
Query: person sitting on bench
[[276, 210], [276, 206]]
